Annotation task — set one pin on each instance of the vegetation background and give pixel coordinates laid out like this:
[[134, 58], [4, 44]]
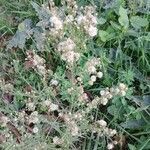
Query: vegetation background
[[124, 46]]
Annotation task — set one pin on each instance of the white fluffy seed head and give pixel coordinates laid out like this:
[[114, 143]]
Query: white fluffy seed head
[[122, 86], [117, 91], [56, 22], [33, 120], [123, 93], [47, 103], [92, 31], [69, 19], [102, 92], [54, 82], [53, 107], [75, 131], [57, 140], [102, 123], [35, 130], [80, 19], [110, 146], [99, 74], [31, 106], [113, 132], [35, 113], [104, 101], [94, 20], [4, 120], [79, 79], [93, 78], [91, 69], [90, 82]]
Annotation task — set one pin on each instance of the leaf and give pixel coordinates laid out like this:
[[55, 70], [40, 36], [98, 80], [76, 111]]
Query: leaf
[[140, 76], [143, 101], [109, 4], [24, 32], [21, 27], [133, 124], [42, 13], [123, 19], [105, 36], [101, 21], [131, 147], [146, 99], [132, 33], [39, 37], [138, 22], [112, 110], [145, 144], [115, 25]]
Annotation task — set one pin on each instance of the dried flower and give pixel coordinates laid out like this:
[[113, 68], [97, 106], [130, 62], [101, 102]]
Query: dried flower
[[35, 129], [102, 123], [90, 82], [92, 31], [91, 65], [110, 146], [4, 120], [53, 107], [93, 78], [47, 103], [67, 51], [56, 22], [33, 118], [36, 62], [99, 74], [57, 140], [30, 106], [54, 82], [88, 21]]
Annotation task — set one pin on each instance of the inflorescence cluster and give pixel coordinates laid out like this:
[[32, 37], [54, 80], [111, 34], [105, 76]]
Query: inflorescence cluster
[[84, 19]]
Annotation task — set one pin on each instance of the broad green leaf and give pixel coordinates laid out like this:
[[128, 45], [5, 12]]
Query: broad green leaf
[[21, 27], [41, 12], [23, 33], [101, 21], [131, 147], [138, 22], [143, 101], [115, 25], [105, 36], [145, 145], [133, 124], [123, 19]]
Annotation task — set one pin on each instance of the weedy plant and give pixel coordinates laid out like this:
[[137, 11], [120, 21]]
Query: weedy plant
[[71, 80]]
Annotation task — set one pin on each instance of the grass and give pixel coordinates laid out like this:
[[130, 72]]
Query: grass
[[124, 56]]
